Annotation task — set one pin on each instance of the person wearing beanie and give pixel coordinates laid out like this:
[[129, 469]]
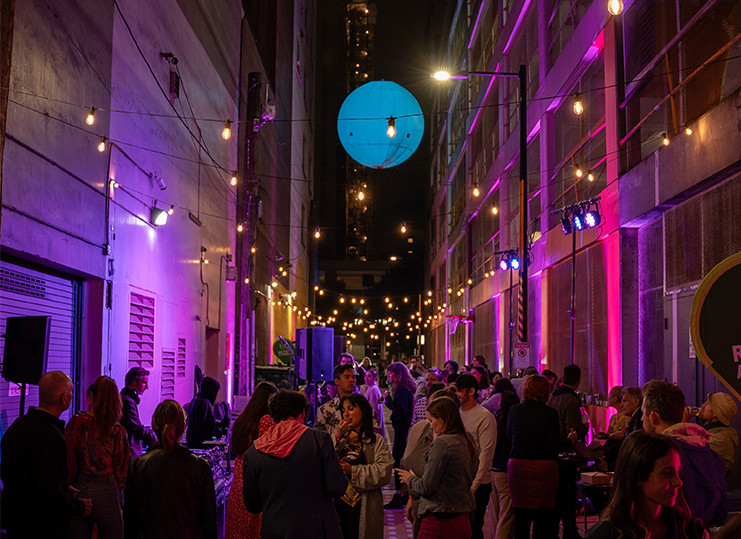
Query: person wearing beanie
[[717, 412], [201, 421]]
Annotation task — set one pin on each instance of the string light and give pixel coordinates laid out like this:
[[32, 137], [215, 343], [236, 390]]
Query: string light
[[579, 172], [254, 250], [226, 134], [101, 145], [317, 232], [240, 228], [90, 120], [615, 7], [494, 210], [476, 191], [171, 210], [590, 176], [687, 129], [361, 195], [403, 227], [391, 131], [578, 107], [666, 139], [234, 178]]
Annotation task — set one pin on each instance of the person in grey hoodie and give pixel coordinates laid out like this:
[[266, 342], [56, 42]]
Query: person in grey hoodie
[[445, 496], [291, 474]]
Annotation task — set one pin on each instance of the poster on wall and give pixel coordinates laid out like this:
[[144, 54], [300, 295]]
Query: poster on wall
[[715, 322]]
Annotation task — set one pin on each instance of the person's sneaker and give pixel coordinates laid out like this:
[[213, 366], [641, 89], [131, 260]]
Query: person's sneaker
[[395, 503]]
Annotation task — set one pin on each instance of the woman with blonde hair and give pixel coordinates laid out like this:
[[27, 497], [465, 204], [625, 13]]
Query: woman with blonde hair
[[97, 457], [169, 490]]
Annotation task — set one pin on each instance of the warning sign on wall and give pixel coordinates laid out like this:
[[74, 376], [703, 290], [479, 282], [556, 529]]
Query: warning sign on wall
[[522, 355]]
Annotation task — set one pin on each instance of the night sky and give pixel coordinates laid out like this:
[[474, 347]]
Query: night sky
[[406, 37]]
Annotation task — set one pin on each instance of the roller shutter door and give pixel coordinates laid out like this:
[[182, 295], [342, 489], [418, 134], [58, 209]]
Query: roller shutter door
[[28, 292]]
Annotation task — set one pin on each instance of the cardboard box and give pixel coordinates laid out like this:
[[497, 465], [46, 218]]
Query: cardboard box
[[595, 478]]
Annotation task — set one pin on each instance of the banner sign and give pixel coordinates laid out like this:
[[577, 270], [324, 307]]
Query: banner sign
[[715, 322]]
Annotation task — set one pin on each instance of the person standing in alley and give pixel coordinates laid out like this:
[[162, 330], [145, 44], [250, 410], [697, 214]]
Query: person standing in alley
[[136, 382]]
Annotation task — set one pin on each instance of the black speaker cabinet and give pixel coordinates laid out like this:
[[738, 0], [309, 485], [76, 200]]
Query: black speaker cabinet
[[314, 351], [26, 348]]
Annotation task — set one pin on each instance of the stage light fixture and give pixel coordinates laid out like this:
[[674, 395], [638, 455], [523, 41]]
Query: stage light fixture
[[592, 217], [158, 216], [578, 218], [566, 225], [503, 264]]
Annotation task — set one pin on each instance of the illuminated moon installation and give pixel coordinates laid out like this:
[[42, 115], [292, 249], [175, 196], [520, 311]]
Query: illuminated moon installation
[[366, 117]]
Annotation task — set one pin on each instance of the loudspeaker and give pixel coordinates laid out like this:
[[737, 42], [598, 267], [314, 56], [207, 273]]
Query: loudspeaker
[[340, 347], [314, 349], [26, 348]]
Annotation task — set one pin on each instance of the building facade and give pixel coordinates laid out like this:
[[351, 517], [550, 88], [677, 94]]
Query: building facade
[[657, 143], [116, 117]]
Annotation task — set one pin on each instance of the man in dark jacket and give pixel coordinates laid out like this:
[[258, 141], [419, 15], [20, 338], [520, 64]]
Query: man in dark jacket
[[703, 470], [201, 421], [38, 502], [566, 402], [136, 383], [291, 474]]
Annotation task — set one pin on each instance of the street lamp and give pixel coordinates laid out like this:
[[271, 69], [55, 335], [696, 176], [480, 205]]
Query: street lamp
[[521, 75]]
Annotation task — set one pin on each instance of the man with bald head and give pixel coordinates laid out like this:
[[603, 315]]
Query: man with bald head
[[38, 502]]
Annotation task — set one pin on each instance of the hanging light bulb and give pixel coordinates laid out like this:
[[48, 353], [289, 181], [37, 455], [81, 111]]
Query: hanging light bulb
[[590, 176], [578, 107], [494, 210], [234, 178], [101, 145], [687, 129], [171, 210], [391, 131], [90, 120], [227, 132], [615, 7], [476, 191], [579, 172], [361, 195], [253, 250], [317, 232], [403, 227], [240, 227], [666, 139]]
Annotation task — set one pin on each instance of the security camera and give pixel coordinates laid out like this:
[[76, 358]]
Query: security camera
[[160, 181]]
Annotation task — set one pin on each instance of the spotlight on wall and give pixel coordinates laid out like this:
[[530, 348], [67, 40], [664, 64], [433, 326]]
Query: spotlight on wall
[[158, 216]]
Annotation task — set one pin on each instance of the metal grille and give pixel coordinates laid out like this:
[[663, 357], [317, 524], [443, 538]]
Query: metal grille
[[485, 335], [19, 283], [650, 301], [141, 331], [683, 244], [721, 226], [167, 374], [180, 366]]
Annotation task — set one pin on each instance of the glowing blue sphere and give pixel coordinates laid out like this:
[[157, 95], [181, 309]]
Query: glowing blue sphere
[[363, 124]]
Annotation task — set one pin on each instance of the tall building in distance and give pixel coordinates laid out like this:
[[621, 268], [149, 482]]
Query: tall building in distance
[[360, 31]]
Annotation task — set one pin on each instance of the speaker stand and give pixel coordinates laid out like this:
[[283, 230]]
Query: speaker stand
[[23, 396]]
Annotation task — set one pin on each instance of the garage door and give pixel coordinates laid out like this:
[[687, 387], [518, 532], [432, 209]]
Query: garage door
[[29, 292]]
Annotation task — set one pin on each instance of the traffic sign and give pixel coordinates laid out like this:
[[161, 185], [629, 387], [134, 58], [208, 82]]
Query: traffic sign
[[522, 355]]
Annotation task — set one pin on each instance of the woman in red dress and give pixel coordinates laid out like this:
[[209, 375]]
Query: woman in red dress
[[252, 423]]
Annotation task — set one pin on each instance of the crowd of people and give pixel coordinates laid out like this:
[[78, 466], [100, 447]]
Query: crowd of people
[[463, 441]]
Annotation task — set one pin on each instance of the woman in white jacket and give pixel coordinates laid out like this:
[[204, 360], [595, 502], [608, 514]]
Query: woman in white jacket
[[367, 462]]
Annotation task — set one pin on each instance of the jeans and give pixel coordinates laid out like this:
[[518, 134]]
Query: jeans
[[400, 444], [482, 495], [106, 514]]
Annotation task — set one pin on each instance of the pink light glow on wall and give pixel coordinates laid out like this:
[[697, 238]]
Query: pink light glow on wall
[[611, 246]]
